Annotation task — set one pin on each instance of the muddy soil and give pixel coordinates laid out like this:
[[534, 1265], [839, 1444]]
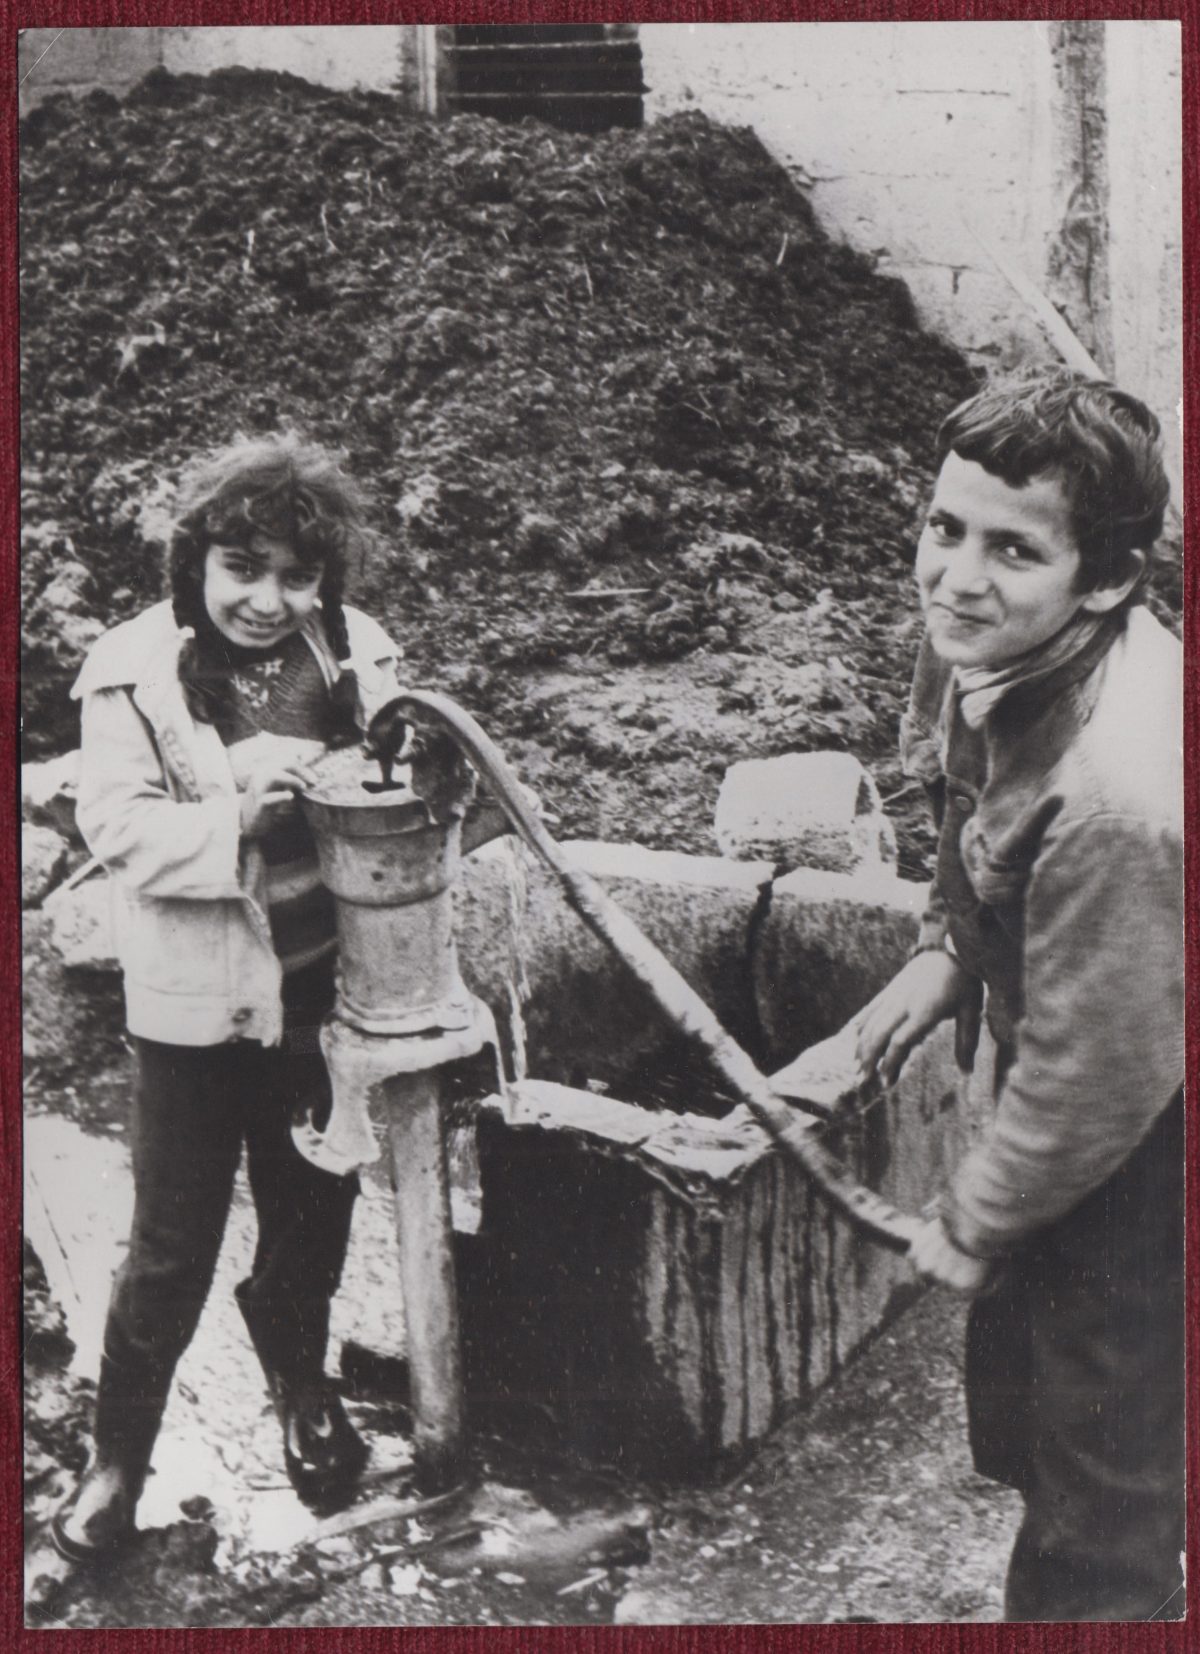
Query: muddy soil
[[863, 1508], [646, 444]]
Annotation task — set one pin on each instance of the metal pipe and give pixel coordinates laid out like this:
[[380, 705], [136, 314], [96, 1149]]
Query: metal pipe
[[868, 1211], [424, 1236]]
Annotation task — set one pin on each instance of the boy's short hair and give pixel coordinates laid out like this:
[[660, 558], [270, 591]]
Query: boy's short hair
[[1104, 444]]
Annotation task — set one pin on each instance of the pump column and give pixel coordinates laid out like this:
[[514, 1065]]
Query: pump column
[[420, 1183]]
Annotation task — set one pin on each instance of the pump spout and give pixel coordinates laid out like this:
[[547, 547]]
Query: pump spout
[[386, 738]]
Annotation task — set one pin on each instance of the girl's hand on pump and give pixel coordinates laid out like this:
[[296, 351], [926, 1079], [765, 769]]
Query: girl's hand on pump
[[270, 792], [248, 756], [929, 989]]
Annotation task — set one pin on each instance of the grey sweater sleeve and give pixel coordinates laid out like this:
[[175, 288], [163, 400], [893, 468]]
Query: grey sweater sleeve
[[1100, 1046]]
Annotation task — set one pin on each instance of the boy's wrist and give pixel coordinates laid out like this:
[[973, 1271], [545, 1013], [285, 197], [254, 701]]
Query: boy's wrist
[[952, 1228]]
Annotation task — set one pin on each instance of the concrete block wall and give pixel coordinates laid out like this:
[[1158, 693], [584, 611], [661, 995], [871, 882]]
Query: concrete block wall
[[1145, 116], [895, 131]]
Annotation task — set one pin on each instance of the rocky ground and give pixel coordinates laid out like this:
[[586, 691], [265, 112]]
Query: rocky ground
[[862, 1509]]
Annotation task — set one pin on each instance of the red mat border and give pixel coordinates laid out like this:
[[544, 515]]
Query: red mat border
[[850, 1639]]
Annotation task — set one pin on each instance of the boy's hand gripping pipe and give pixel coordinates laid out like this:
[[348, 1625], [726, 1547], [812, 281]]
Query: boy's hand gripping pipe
[[793, 1131]]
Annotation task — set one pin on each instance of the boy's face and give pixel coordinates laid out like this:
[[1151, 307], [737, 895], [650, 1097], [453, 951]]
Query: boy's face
[[257, 594], [997, 566]]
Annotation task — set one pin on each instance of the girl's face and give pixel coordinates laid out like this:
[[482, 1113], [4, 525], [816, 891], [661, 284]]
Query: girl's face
[[257, 595]]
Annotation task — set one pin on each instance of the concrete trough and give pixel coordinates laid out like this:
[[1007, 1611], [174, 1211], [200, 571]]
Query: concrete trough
[[651, 1277]]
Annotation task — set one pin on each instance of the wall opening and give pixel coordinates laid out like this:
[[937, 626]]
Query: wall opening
[[584, 77]]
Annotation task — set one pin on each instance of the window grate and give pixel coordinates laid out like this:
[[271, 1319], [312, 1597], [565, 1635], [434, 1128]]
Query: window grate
[[584, 77]]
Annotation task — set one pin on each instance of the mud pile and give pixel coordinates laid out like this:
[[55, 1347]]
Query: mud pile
[[619, 398]]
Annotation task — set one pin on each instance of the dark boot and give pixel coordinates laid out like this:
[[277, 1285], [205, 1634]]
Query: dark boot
[[322, 1451], [99, 1516]]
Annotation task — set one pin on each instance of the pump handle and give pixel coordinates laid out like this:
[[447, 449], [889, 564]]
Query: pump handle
[[797, 1134]]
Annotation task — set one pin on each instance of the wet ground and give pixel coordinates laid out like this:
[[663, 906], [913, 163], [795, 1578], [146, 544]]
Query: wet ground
[[864, 1508]]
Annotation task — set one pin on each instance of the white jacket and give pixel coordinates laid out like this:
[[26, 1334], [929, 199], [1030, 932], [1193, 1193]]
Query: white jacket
[[159, 808]]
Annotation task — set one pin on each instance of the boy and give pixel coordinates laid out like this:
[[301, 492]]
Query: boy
[[1046, 721]]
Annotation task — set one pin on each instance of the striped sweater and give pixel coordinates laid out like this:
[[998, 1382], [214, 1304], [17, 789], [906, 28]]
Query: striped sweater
[[283, 692]]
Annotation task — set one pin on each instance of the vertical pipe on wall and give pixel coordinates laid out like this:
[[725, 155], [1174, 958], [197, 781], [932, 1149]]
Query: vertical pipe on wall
[[1077, 265]]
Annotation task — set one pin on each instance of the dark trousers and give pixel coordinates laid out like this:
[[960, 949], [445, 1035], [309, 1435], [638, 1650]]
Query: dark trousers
[[1075, 1394], [194, 1108]]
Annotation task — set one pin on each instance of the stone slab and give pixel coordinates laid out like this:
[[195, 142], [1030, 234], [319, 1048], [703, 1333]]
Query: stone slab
[[43, 857]]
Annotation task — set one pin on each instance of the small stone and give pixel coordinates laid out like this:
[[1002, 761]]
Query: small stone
[[336, 1549], [48, 793], [81, 925], [43, 854]]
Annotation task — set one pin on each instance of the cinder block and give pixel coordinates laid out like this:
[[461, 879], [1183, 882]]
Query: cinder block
[[43, 856], [48, 793], [804, 809], [829, 942]]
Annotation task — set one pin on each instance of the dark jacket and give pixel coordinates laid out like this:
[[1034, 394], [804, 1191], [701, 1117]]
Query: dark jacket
[[1059, 884]]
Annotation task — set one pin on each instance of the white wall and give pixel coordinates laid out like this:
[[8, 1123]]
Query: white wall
[[1145, 117], [895, 131], [903, 134], [361, 55], [56, 60]]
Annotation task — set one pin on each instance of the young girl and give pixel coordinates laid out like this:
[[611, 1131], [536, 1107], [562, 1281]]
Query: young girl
[[199, 717]]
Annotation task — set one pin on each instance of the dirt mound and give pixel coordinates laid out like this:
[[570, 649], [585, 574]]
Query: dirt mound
[[621, 401]]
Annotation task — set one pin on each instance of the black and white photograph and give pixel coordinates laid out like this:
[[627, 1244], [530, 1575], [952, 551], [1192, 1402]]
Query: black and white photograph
[[602, 824]]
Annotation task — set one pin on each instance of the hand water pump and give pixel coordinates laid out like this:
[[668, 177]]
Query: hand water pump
[[389, 850]]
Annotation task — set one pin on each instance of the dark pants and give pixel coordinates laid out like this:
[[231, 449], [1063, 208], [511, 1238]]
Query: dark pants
[[1075, 1393], [194, 1108]]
